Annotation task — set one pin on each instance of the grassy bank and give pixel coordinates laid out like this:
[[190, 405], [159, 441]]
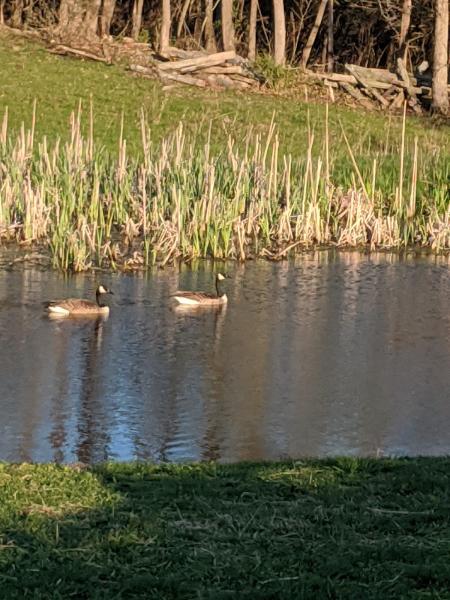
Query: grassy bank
[[121, 181], [342, 528], [30, 73]]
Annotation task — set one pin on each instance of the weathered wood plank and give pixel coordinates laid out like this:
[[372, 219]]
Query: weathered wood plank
[[200, 61], [143, 70], [356, 94], [185, 79], [397, 102], [172, 52], [367, 83], [63, 50], [337, 77], [220, 81], [227, 70], [244, 79], [346, 78], [402, 71], [373, 74]]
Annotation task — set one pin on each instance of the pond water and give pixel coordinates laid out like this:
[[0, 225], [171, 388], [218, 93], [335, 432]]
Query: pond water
[[328, 354]]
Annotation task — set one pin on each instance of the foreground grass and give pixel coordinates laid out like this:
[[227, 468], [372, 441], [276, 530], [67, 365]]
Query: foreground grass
[[344, 528]]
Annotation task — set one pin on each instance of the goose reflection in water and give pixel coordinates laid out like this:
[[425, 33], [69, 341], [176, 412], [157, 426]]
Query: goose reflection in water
[[218, 314], [207, 324], [82, 336]]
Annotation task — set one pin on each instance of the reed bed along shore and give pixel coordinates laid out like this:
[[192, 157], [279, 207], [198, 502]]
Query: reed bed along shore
[[182, 199]]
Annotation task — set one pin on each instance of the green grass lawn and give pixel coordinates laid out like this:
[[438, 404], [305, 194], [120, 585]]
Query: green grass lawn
[[343, 528], [29, 72]]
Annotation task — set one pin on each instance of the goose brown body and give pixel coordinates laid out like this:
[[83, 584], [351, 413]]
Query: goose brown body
[[202, 298], [79, 306]]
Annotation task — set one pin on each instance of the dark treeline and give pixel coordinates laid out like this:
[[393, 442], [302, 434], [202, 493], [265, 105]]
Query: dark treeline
[[319, 33], [366, 32]]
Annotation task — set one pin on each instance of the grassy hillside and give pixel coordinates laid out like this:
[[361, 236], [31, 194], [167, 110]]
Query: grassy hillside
[[346, 528], [58, 83]]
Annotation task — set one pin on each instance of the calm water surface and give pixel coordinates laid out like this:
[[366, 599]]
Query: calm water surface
[[328, 354]]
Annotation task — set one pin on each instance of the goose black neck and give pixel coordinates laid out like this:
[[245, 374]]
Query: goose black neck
[[97, 297], [218, 290]]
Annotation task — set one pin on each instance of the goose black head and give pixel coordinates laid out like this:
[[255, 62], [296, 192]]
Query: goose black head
[[104, 290]]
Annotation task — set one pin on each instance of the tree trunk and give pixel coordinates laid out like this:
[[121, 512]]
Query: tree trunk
[[404, 27], [210, 37], [164, 39], [241, 4], [16, 16], [91, 19], [227, 25], [313, 34], [78, 20], [279, 33], [252, 30], [440, 60], [198, 29], [71, 16], [107, 15], [330, 37], [137, 18], [184, 11]]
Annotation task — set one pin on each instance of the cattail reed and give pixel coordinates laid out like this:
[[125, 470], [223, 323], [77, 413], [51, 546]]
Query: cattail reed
[[182, 199]]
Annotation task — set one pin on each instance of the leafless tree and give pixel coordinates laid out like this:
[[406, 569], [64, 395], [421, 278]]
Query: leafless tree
[[17, 13], [330, 37], [91, 18], [252, 30], [313, 33], [279, 33], [210, 37], [106, 16], [440, 61], [137, 18], [227, 25], [164, 39], [78, 19], [182, 17], [404, 26]]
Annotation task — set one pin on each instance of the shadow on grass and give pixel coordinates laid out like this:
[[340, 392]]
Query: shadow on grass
[[342, 528]]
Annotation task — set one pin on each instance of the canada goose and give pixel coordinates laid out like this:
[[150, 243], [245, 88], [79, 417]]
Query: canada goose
[[203, 298], [77, 306]]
